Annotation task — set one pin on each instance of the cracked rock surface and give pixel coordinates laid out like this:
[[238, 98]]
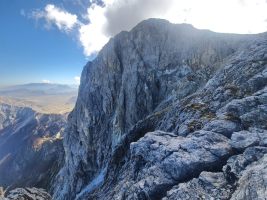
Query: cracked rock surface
[[167, 111], [243, 177], [159, 160], [27, 194]]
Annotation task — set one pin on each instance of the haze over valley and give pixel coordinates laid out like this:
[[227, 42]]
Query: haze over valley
[[41, 97]]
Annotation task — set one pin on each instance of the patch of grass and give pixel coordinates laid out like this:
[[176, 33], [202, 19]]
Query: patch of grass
[[197, 106], [234, 90], [208, 115], [194, 125], [231, 117]]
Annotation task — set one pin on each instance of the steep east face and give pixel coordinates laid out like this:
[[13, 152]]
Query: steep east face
[[191, 89], [31, 150]]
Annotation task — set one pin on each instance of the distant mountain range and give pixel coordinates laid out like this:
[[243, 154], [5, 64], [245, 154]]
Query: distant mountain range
[[42, 97], [37, 89]]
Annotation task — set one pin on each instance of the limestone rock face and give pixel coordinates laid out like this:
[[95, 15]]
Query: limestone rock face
[[161, 110], [243, 177], [28, 194], [159, 160], [31, 150]]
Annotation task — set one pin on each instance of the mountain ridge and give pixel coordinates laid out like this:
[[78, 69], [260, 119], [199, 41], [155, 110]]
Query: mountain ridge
[[131, 88]]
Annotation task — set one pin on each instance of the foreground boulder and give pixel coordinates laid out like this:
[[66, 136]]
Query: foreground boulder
[[244, 177], [160, 159]]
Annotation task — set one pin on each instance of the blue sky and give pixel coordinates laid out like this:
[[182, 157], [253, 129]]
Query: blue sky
[[51, 40], [30, 53]]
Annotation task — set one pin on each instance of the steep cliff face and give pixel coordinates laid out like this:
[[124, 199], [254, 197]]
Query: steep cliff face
[[191, 89], [31, 150]]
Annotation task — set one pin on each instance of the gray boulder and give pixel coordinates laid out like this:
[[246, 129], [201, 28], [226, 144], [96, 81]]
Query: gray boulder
[[243, 177], [208, 185], [253, 137]]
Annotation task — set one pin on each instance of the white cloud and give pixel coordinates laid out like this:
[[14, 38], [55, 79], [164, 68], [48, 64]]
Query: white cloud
[[124, 14], [46, 81], [63, 20], [91, 35], [231, 16], [77, 80], [113, 16]]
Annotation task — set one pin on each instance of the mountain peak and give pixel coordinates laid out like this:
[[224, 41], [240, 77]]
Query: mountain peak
[[154, 96]]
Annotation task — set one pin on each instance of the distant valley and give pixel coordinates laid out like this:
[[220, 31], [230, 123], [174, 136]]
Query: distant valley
[[31, 147], [32, 120], [42, 97]]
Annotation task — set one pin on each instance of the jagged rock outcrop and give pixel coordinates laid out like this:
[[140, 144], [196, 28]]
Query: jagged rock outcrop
[[27, 194], [159, 160], [31, 150], [163, 107], [243, 177]]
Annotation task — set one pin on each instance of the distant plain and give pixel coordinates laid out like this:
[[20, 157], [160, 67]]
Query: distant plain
[[43, 98]]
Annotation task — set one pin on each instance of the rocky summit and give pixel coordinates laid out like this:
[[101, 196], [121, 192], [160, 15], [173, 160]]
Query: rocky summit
[[167, 111]]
